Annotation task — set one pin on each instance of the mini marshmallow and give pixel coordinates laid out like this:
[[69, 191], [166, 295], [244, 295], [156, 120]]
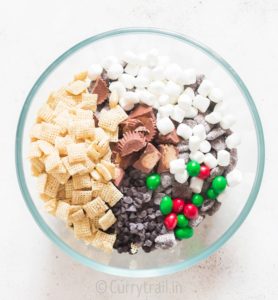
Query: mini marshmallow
[[233, 140], [141, 82], [115, 71], [145, 72], [177, 166], [181, 177], [166, 110], [130, 57], [221, 107], [189, 91], [165, 125], [156, 104], [189, 76], [184, 131], [194, 143], [126, 104], [228, 121], [223, 158], [198, 156], [205, 87], [234, 178], [142, 59], [205, 146], [202, 103], [210, 161], [109, 61], [94, 71], [156, 87], [164, 99], [146, 97], [173, 72], [177, 114], [163, 60], [132, 69], [200, 131], [132, 97], [172, 89], [191, 112], [196, 184], [214, 117], [127, 80], [215, 95], [152, 58], [158, 73], [184, 101], [118, 87]]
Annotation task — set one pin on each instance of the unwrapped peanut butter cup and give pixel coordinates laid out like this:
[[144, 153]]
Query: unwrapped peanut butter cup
[[100, 88], [170, 138], [131, 142], [168, 153]]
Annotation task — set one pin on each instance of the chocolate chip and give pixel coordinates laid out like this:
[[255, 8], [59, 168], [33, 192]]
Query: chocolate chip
[[208, 204], [215, 133], [217, 171], [218, 144]]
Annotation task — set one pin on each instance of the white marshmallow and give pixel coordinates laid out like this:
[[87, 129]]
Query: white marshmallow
[[165, 125], [158, 73], [132, 97], [152, 58], [223, 158], [141, 81], [191, 112], [205, 146], [118, 87], [126, 104], [173, 72], [156, 104], [130, 57], [127, 80], [221, 107], [109, 61], [200, 131], [115, 71], [194, 143], [210, 161], [94, 71], [189, 76], [214, 117], [189, 91], [163, 60], [166, 110], [215, 95], [234, 178], [233, 140], [181, 177], [145, 72], [132, 69], [184, 131], [196, 184], [156, 87], [184, 101], [177, 114], [205, 87], [228, 121], [177, 166], [146, 97], [164, 99], [198, 156], [172, 89], [142, 59], [200, 102]]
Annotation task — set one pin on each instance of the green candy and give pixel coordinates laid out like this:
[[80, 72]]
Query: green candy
[[197, 199], [153, 181], [184, 233], [166, 205], [182, 221], [219, 184], [193, 168], [211, 194]]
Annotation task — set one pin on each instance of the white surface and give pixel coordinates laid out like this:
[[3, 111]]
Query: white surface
[[33, 34]]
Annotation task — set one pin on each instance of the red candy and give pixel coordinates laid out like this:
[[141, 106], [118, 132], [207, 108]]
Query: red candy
[[171, 221], [204, 172], [178, 205], [190, 211]]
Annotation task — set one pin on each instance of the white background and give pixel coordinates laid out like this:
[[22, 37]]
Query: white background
[[32, 35]]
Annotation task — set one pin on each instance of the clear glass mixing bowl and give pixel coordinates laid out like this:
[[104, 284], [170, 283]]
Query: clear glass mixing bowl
[[214, 231]]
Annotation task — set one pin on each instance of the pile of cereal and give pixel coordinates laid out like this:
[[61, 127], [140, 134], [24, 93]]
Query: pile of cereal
[[134, 153]]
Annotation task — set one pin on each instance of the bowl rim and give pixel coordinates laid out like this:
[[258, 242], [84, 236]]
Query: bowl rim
[[173, 267]]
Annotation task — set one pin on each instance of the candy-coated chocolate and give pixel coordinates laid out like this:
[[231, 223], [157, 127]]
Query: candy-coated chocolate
[[184, 233], [182, 221], [171, 221], [219, 184], [204, 172], [166, 205], [178, 205], [193, 168], [190, 211], [197, 199], [211, 194], [153, 181]]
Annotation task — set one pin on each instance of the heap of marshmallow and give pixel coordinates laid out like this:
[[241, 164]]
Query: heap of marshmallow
[[151, 79]]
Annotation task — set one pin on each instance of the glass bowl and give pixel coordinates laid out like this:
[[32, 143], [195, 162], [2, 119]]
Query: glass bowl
[[214, 231]]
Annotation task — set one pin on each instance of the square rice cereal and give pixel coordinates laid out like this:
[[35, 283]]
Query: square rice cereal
[[82, 228], [45, 113], [107, 220], [110, 194], [52, 161], [62, 211], [82, 129], [73, 169], [49, 132], [52, 186], [81, 197], [76, 87], [76, 152], [81, 182], [95, 207], [69, 189]]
